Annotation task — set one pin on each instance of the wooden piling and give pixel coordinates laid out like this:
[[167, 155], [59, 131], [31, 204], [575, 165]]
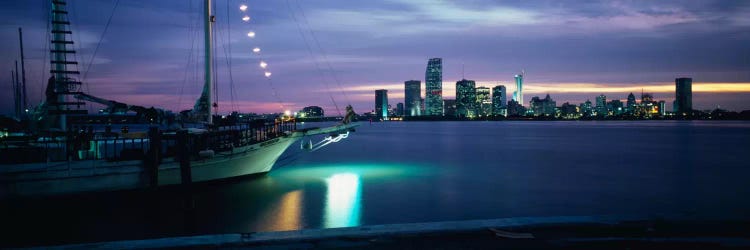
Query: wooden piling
[[183, 155], [153, 156]]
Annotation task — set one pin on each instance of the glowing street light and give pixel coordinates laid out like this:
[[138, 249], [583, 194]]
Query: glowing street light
[[268, 74], [251, 34], [243, 8], [256, 50], [263, 64], [246, 18]]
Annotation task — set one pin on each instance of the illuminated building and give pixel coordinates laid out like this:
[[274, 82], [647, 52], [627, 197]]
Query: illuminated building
[[381, 103], [449, 107], [412, 98], [615, 107], [434, 87], [601, 105], [586, 108], [499, 106], [311, 112], [542, 107], [684, 96], [569, 111], [518, 94], [662, 108], [466, 98], [484, 102], [631, 103]]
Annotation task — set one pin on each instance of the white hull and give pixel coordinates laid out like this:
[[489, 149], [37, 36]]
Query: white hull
[[100, 175]]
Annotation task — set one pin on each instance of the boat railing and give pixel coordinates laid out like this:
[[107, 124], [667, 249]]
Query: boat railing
[[114, 147]]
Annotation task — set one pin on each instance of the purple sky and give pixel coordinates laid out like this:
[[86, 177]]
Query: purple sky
[[573, 50]]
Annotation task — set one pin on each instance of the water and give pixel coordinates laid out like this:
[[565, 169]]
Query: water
[[403, 172]]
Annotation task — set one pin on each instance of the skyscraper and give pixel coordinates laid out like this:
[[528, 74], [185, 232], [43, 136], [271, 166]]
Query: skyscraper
[[412, 98], [434, 87], [601, 105], [399, 109], [466, 98], [498, 101], [684, 95], [484, 102], [518, 94], [381, 103]]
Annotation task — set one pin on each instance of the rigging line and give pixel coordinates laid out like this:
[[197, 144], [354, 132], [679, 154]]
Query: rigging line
[[192, 33], [229, 63], [98, 44], [226, 58], [276, 93], [325, 56], [215, 71], [312, 56], [45, 51]]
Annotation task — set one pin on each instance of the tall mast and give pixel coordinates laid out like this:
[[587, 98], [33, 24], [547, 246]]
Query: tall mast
[[23, 71], [208, 61], [17, 93]]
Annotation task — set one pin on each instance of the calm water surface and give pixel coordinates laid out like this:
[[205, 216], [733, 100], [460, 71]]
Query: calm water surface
[[401, 172]]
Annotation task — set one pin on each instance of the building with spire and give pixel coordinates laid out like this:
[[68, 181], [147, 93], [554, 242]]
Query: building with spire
[[466, 98], [518, 94]]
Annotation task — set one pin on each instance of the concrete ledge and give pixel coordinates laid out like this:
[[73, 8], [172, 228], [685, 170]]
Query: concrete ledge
[[260, 238]]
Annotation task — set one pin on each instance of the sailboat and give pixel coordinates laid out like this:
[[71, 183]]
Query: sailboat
[[67, 160]]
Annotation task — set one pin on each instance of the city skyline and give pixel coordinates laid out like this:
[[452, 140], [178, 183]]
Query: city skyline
[[618, 48]]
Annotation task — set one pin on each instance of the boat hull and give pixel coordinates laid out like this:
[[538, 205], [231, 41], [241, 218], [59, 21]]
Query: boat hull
[[99, 175]]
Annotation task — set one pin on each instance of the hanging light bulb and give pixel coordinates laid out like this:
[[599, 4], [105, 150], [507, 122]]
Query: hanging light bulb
[[246, 18], [268, 74], [251, 34], [256, 50], [243, 7], [263, 64]]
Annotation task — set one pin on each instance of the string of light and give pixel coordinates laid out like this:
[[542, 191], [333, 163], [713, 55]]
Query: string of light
[[261, 62], [251, 34]]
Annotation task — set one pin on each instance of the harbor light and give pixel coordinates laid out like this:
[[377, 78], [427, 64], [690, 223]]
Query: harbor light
[[243, 8], [250, 34], [256, 50], [268, 74], [246, 18], [287, 113], [263, 64]]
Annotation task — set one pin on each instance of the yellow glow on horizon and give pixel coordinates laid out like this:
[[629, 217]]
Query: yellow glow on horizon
[[532, 88]]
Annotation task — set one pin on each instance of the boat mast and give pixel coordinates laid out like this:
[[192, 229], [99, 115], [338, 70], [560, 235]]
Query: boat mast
[[23, 73], [208, 61]]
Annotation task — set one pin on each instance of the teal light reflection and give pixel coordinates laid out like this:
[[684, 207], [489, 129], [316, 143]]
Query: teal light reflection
[[343, 200]]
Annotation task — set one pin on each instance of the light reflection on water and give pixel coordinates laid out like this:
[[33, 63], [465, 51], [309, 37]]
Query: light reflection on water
[[343, 200]]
